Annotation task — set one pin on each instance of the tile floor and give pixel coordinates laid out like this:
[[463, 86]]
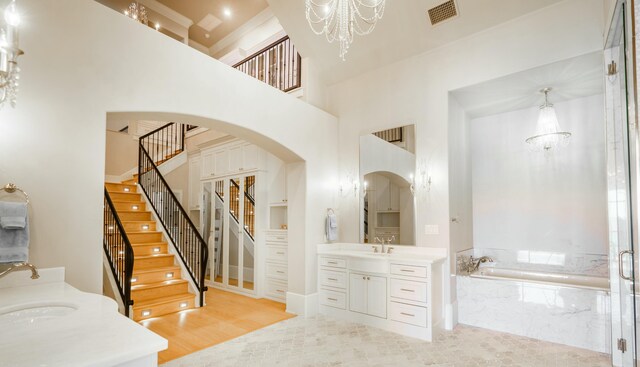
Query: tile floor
[[322, 341]]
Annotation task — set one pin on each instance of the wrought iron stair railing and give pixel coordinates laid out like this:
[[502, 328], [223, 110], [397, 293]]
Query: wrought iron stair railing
[[165, 142], [190, 246], [278, 65], [118, 251]]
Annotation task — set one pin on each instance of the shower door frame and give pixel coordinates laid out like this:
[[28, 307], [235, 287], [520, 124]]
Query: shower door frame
[[622, 180]]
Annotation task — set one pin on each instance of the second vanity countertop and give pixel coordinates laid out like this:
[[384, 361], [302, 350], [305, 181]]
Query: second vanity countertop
[[404, 254], [95, 334]]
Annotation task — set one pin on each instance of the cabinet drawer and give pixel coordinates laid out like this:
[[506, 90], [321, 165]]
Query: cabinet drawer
[[276, 289], [333, 262], [277, 237], [333, 299], [409, 270], [333, 279], [408, 314], [277, 271], [406, 289], [277, 253]]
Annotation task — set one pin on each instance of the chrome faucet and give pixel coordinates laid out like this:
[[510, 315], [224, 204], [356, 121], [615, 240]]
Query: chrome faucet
[[474, 264], [21, 266], [381, 240]]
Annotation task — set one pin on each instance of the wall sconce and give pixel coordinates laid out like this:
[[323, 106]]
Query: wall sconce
[[351, 183], [9, 52], [423, 180]]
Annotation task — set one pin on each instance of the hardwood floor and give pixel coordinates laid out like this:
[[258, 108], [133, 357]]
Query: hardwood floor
[[226, 316]]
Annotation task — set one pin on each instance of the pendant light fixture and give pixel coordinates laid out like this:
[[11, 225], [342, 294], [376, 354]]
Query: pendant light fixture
[[548, 135]]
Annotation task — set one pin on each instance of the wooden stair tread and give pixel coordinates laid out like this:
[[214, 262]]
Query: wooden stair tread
[[144, 232], [143, 286], [152, 256], [162, 300], [133, 211], [148, 244], [158, 269]]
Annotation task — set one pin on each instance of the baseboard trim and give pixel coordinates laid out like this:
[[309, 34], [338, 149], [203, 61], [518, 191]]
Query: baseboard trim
[[302, 305]]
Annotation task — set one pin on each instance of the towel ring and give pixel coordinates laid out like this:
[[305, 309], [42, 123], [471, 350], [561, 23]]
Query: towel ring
[[11, 188]]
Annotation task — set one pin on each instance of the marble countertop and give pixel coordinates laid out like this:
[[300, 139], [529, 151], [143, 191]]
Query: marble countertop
[[405, 254], [95, 334]]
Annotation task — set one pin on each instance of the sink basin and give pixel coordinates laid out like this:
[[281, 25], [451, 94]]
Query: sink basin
[[34, 314]]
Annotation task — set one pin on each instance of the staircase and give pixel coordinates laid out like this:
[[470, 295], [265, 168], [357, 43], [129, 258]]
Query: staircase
[[156, 284], [148, 275]]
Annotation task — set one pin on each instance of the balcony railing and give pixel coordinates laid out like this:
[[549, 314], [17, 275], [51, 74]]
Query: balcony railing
[[277, 65]]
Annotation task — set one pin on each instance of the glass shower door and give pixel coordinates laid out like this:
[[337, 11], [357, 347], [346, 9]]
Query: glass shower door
[[621, 181]]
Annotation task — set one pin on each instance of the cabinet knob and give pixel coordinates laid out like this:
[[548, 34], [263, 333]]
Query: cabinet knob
[[368, 278], [364, 278]]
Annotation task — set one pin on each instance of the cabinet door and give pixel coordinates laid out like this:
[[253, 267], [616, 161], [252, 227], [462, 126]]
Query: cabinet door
[[221, 161], [194, 182], [358, 293], [249, 156], [394, 197], [235, 159], [207, 166], [377, 296]]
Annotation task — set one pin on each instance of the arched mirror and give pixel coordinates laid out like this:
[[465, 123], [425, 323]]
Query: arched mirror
[[387, 208]]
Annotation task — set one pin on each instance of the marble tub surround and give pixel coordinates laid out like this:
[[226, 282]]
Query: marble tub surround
[[546, 261], [325, 341], [93, 333], [577, 317]]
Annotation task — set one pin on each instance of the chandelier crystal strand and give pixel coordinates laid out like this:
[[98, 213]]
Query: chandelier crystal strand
[[339, 20], [9, 52], [548, 136], [137, 12]]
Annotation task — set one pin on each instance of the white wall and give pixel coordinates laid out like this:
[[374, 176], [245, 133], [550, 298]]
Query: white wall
[[75, 72], [121, 153], [542, 202], [460, 188], [416, 89]]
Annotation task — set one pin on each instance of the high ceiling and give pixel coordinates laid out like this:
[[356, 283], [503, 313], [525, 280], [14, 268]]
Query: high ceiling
[[403, 31], [196, 10], [577, 77]]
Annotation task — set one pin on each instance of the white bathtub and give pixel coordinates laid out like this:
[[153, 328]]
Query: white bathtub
[[566, 280], [560, 308]]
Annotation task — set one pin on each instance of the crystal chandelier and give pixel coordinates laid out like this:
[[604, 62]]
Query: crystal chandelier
[[137, 12], [341, 19], [9, 52], [548, 135]]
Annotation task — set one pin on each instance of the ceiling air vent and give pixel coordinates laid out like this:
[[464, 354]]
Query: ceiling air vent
[[442, 12]]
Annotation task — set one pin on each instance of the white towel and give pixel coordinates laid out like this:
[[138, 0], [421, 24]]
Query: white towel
[[14, 243], [331, 227]]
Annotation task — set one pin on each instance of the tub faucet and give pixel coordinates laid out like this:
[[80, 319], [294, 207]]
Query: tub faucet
[[21, 266], [474, 264]]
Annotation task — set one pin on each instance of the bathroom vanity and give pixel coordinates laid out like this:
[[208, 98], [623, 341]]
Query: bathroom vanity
[[399, 291], [47, 322]]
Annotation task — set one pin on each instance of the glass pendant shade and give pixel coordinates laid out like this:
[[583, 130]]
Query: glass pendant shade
[[548, 134]]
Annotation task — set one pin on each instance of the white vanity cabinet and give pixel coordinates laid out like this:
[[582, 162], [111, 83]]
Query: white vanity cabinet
[[368, 294], [401, 294]]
